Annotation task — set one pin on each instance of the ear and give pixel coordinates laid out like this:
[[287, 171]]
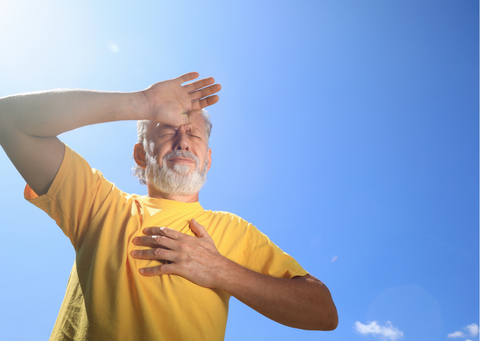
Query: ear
[[209, 157], [139, 155]]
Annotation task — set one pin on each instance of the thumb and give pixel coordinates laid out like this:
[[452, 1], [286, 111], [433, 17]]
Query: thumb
[[198, 229]]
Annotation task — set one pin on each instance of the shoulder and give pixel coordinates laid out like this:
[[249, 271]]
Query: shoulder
[[224, 215], [229, 223], [226, 218]]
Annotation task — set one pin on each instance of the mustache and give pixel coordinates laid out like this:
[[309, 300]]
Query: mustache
[[181, 153]]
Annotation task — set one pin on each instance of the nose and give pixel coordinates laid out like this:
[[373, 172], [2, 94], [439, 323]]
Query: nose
[[181, 141]]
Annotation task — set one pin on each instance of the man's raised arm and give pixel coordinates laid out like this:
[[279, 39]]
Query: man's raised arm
[[30, 123]]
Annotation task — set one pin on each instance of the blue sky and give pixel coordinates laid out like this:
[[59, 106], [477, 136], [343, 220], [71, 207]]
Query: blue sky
[[346, 130]]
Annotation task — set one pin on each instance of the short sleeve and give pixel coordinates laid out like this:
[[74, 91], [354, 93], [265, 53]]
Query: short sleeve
[[75, 196], [260, 254]]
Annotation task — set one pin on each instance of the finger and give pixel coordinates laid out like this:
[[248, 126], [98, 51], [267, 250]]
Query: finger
[[187, 77], [154, 241], [162, 231], [199, 84], [156, 253], [208, 101], [158, 270], [205, 91], [198, 229]]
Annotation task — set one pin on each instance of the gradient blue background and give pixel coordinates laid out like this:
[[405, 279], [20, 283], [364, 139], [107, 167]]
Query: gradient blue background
[[347, 131]]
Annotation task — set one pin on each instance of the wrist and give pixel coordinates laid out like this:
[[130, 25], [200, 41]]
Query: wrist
[[141, 106], [227, 275]]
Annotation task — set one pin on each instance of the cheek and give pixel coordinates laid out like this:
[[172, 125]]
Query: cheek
[[159, 151]]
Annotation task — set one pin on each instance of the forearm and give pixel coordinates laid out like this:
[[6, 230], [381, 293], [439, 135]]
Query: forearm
[[302, 302], [48, 114]]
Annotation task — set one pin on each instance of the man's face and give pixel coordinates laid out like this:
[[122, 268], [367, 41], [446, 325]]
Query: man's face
[[177, 158]]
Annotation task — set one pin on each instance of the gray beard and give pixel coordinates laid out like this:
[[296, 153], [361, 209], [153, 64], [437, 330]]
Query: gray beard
[[178, 179]]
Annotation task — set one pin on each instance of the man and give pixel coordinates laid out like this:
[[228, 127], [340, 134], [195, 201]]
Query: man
[[156, 267]]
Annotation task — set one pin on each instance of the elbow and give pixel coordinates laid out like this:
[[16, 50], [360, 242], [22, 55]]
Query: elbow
[[328, 320], [322, 312], [329, 314], [333, 318], [332, 323]]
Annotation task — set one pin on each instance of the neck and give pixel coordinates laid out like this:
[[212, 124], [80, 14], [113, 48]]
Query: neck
[[154, 193]]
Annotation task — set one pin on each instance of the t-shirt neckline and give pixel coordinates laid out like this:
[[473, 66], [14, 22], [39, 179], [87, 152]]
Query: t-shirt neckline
[[170, 204]]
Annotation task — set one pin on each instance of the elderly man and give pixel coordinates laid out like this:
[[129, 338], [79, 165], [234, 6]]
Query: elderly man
[[155, 267]]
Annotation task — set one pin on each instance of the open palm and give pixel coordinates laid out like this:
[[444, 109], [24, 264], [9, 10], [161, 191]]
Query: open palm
[[175, 104]]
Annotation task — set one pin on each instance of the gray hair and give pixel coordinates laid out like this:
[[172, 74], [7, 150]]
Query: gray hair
[[142, 125]]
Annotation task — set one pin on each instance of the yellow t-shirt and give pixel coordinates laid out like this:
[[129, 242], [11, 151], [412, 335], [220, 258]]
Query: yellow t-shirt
[[106, 297]]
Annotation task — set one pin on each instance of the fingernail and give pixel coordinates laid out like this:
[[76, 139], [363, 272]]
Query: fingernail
[[142, 271], [134, 253]]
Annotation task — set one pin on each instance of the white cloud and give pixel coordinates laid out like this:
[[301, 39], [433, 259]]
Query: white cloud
[[456, 334], [388, 332], [472, 329], [334, 259]]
